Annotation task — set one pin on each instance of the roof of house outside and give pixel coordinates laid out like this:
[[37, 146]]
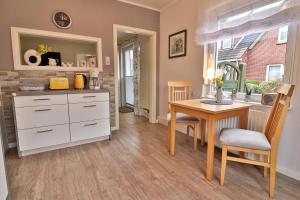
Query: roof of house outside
[[238, 51]]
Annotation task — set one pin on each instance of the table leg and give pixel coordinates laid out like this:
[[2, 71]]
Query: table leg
[[211, 147], [203, 129], [172, 132]]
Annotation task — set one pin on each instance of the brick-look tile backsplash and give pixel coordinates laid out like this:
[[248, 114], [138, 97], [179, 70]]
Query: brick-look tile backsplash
[[9, 81]]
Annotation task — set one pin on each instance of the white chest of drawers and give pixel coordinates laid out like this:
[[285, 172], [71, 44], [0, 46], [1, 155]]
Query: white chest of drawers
[[47, 122]]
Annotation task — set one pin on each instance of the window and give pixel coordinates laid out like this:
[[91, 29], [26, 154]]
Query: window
[[253, 57], [275, 72], [227, 43], [283, 34]]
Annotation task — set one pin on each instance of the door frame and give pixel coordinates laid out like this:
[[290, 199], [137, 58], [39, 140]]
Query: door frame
[[153, 41]]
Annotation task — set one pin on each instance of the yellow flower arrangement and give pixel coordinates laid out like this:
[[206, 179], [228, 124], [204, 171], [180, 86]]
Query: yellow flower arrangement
[[43, 48]]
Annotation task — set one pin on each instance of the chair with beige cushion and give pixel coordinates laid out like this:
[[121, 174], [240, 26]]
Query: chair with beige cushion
[[266, 144], [179, 91]]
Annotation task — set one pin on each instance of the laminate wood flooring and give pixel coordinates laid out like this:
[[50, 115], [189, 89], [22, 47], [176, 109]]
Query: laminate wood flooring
[[135, 165]]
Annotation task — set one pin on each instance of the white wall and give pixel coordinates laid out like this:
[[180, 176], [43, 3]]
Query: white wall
[[183, 15], [289, 148]]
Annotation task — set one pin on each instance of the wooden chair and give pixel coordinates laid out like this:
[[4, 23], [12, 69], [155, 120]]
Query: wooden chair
[[179, 91], [245, 141]]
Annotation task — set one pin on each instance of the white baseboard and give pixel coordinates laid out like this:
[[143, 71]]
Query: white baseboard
[[287, 172]]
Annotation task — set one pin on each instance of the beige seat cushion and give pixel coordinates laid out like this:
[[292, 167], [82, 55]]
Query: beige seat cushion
[[245, 139], [183, 118]]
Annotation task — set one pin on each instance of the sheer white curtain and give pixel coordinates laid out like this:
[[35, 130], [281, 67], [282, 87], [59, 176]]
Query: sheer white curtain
[[234, 19]]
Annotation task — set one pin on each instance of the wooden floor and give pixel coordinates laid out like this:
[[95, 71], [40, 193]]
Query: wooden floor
[[136, 165]]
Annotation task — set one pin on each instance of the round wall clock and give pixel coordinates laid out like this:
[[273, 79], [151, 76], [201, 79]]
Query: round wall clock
[[61, 19]]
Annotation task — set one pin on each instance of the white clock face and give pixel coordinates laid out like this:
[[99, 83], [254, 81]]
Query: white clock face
[[62, 19]]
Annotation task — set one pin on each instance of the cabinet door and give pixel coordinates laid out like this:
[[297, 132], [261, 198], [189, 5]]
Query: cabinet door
[[89, 129], [32, 117], [88, 97], [89, 111], [3, 183], [43, 137], [42, 100]]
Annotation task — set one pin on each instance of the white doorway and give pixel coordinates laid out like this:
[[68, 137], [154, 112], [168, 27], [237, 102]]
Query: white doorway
[[124, 89]]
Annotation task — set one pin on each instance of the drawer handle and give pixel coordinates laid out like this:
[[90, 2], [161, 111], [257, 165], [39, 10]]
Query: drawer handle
[[93, 124], [89, 106], [45, 131], [45, 99], [88, 96], [42, 110]]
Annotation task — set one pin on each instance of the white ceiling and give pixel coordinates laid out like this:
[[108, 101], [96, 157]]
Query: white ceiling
[[157, 5]]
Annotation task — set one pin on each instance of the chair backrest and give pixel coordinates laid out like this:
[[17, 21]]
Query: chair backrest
[[179, 91], [278, 114]]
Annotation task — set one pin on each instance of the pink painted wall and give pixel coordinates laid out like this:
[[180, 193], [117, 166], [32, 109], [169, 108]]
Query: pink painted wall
[[91, 18]]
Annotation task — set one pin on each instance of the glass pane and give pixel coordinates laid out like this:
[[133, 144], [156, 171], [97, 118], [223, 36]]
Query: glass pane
[[259, 61], [128, 60], [275, 73]]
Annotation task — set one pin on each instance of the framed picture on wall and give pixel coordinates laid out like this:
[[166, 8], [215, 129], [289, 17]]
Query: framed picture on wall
[[177, 44]]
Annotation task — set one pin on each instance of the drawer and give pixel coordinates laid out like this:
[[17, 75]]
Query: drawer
[[42, 100], [43, 137], [89, 129], [88, 97], [88, 111], [31, 117]]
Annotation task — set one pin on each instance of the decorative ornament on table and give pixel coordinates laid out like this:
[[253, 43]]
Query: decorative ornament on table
[[32, 57], [61, 19]]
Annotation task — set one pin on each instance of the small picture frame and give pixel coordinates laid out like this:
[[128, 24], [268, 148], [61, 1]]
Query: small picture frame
[[86, 60], [178, 44]]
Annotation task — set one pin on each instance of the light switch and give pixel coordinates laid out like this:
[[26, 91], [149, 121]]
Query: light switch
[[107, 60]]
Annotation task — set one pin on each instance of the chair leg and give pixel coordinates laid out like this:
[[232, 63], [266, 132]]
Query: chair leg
[[266, 160], [223, 164], [187, 133], [273, 161], [196, 130], [203, 127]]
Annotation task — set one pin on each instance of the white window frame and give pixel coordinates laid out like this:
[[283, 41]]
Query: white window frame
[[268, 70], [280, 32], [229, 46]]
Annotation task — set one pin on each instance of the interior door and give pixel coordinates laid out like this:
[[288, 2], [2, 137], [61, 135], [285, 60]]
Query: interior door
[[128, 75]]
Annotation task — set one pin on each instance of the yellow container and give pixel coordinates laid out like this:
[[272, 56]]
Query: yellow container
[[79, 81], [59, 83]]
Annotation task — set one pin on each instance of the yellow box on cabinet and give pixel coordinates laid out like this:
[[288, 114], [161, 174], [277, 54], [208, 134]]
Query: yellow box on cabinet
[[59, 83]]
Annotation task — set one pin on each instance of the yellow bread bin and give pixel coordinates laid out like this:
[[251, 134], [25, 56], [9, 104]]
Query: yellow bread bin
[[59, 83]]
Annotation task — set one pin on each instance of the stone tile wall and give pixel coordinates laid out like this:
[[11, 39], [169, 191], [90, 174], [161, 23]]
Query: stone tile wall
[[9, 81]]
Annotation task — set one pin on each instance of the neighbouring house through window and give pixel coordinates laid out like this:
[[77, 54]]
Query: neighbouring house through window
[[260, 59], [283, 34]]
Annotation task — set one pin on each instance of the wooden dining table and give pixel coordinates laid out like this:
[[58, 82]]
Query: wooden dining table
[[211, 114]]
